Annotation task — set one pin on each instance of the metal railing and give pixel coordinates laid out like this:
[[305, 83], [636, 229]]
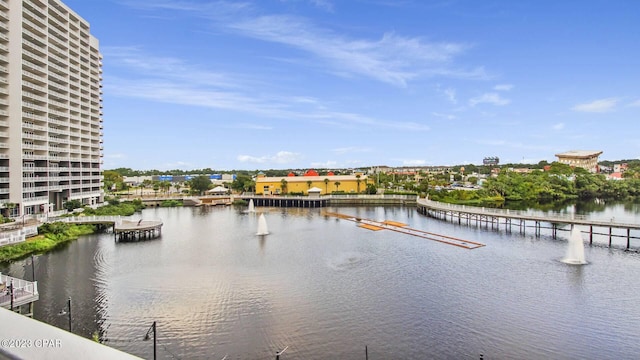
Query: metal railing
[[17, 236], [87, 219], [13, 290], [528, 214]]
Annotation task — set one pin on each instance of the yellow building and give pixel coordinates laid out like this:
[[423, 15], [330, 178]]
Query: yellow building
[[280, 185], [585, 159]]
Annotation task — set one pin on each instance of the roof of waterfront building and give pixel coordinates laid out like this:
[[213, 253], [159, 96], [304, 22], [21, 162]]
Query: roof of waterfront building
[[580, 153], [332, 178], [37, 340]]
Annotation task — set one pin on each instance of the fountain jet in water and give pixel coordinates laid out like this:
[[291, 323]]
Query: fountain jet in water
[[262, 226], [575, 248], [251, 206]]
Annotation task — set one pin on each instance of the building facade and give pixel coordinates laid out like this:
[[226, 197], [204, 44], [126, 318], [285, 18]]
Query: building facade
[[586, 159], [50, 108], [281, 185]]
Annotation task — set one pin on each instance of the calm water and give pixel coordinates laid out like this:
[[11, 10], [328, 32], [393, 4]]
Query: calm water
[[327, 288]]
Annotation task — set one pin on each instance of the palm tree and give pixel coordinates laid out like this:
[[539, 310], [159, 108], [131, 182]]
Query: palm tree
[[177, 186], [337, 184], [283, 184], [326, 185], [358, 182], [165, 185], [309, 184]]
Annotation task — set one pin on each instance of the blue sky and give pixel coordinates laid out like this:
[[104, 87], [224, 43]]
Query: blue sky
[[275, 84]]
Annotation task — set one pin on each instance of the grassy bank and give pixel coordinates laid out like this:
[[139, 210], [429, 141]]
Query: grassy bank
[[44, 242], [52, 235]]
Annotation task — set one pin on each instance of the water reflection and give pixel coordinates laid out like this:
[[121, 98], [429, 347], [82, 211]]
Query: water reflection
[[325, 287]]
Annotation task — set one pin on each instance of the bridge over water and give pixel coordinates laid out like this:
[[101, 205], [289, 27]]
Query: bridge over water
[[496, 218]]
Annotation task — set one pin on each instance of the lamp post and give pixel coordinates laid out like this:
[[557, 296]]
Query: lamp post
[[146, 337], [33, 268], [281, 352], [11, 293], [67, 312]]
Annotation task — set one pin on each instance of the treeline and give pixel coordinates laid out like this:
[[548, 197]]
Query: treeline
[[560, 184], [209, 171]]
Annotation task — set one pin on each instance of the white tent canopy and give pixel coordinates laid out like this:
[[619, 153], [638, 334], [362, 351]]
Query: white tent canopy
[[218, 190]]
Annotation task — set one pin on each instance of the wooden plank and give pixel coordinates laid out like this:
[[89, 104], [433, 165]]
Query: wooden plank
[[394, 223], [370, 227], [403, 228]]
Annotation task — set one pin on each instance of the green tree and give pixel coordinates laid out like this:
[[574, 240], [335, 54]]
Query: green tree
[[72, 204], [243, 182], [112, 178], [165, 185], [371, 189], [10, 209], [283, 186], [337, 184], [200, 184], [326, 185], [358, 182]]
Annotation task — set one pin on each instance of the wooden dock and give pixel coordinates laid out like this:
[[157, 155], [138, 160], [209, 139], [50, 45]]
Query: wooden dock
[[123, 229], [404, 229], [127, 230]]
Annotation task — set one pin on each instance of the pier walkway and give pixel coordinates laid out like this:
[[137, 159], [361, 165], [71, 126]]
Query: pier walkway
[[404, 229], [495, 218]]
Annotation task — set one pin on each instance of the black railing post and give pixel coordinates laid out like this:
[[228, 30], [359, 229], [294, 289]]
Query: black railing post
[[11, 293], [69, 308]]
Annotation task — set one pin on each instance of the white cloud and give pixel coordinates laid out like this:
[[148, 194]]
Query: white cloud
[[635, 103], [410, 162], [558, 126], [597, 106], [503, 87], [451, 95], [250, 126], [489, 98], [282, 157], [444, 116], [323, 4], [325, 165], [390, 58], [515, 145], [351, 149], [171, 80], [176, 165]]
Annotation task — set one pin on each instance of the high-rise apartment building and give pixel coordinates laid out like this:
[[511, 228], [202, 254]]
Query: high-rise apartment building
[[50, 108]]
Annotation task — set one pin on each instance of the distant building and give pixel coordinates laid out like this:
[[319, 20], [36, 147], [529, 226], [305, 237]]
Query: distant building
[[310, 183], [615, 176], [491, 160], [586, 159], [620, 168]]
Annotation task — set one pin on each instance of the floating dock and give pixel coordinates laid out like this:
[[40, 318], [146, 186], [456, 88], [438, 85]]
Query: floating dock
[[403, 228]]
